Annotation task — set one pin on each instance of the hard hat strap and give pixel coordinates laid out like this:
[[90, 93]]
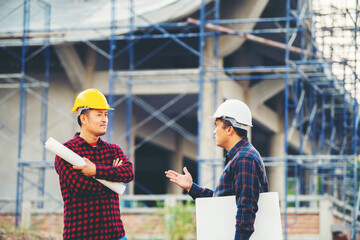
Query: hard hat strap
[[81, 109], [234, 123]]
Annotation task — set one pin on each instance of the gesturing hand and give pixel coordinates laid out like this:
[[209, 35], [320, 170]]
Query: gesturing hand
[[182, 180]]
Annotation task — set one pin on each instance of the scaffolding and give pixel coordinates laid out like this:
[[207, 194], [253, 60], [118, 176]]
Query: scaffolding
[[320, 93], [26, 86]]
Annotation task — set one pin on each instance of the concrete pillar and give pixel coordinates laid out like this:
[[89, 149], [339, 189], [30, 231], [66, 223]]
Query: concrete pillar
[[207, 146], [325, 219], [176, 164], [249, 132], [276, 174], [311, 183], [239, 9], [26, 215], [72, 65], [170, 204], [90, 67], [131, 155], [208, 175]]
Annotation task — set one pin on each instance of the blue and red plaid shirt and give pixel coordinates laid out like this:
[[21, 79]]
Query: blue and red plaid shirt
[[244, 176], [91, 210]]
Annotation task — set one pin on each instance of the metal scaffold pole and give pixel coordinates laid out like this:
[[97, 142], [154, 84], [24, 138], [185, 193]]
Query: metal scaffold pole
[[356, 113], [216, 53], [286, 114], [112, 47], [201, 86], [23, 163], [22, 120], [45, 98], [129, 92]]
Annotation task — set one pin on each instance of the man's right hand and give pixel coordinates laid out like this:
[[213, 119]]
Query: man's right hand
[[117, 162], [182, 180]]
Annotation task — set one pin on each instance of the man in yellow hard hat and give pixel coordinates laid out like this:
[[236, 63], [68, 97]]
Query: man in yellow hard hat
[[244, 174], [91, 210]]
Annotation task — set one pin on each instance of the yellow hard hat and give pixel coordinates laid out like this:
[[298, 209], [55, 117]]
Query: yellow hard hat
[[91, 98]]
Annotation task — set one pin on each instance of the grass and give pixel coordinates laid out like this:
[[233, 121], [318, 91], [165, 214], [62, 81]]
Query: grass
[[12, 233]]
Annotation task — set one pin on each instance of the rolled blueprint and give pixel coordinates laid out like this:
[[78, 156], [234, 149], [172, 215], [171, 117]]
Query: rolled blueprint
[[74, 159]]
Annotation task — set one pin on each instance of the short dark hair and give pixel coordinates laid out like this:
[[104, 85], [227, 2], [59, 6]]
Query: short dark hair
[[85, 112], [239, 131]]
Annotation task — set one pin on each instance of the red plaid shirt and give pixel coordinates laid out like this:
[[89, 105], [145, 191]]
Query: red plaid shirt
[[91, 210]]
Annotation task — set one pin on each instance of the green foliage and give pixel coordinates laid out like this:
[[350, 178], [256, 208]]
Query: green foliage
[[12, 232], [179, 221], [291, 191], [160, 204]]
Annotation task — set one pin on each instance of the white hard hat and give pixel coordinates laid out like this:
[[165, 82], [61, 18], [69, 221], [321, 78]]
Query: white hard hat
[[235, 111]]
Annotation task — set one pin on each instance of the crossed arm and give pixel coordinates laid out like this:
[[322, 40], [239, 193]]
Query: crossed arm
[[80, 180], [89, 169]]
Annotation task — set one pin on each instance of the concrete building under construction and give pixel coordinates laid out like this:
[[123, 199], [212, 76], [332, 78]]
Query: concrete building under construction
[[165, 66]]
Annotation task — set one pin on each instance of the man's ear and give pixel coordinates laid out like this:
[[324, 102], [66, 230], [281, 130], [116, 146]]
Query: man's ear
[[82, 119], [229, 130]]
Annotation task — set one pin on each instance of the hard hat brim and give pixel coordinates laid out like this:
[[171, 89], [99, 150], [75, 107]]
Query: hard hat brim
[[75, 110]]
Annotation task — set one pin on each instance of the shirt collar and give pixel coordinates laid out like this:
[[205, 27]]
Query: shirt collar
[[81, 141], [234, 149]]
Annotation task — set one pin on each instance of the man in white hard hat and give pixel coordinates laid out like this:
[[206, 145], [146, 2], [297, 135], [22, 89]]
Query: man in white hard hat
[[91, 210], [244, 173]]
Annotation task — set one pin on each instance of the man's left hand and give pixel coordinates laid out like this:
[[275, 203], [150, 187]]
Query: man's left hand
[[88, 170]]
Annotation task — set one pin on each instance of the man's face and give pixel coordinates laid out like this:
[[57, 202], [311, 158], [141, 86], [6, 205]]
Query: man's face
[[220, 134], [96, 121]]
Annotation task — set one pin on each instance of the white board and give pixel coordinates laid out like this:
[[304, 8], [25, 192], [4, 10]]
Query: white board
[[215, 218]]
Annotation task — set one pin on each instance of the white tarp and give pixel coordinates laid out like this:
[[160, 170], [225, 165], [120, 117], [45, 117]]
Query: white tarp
[[215, 218], [72, 20]]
